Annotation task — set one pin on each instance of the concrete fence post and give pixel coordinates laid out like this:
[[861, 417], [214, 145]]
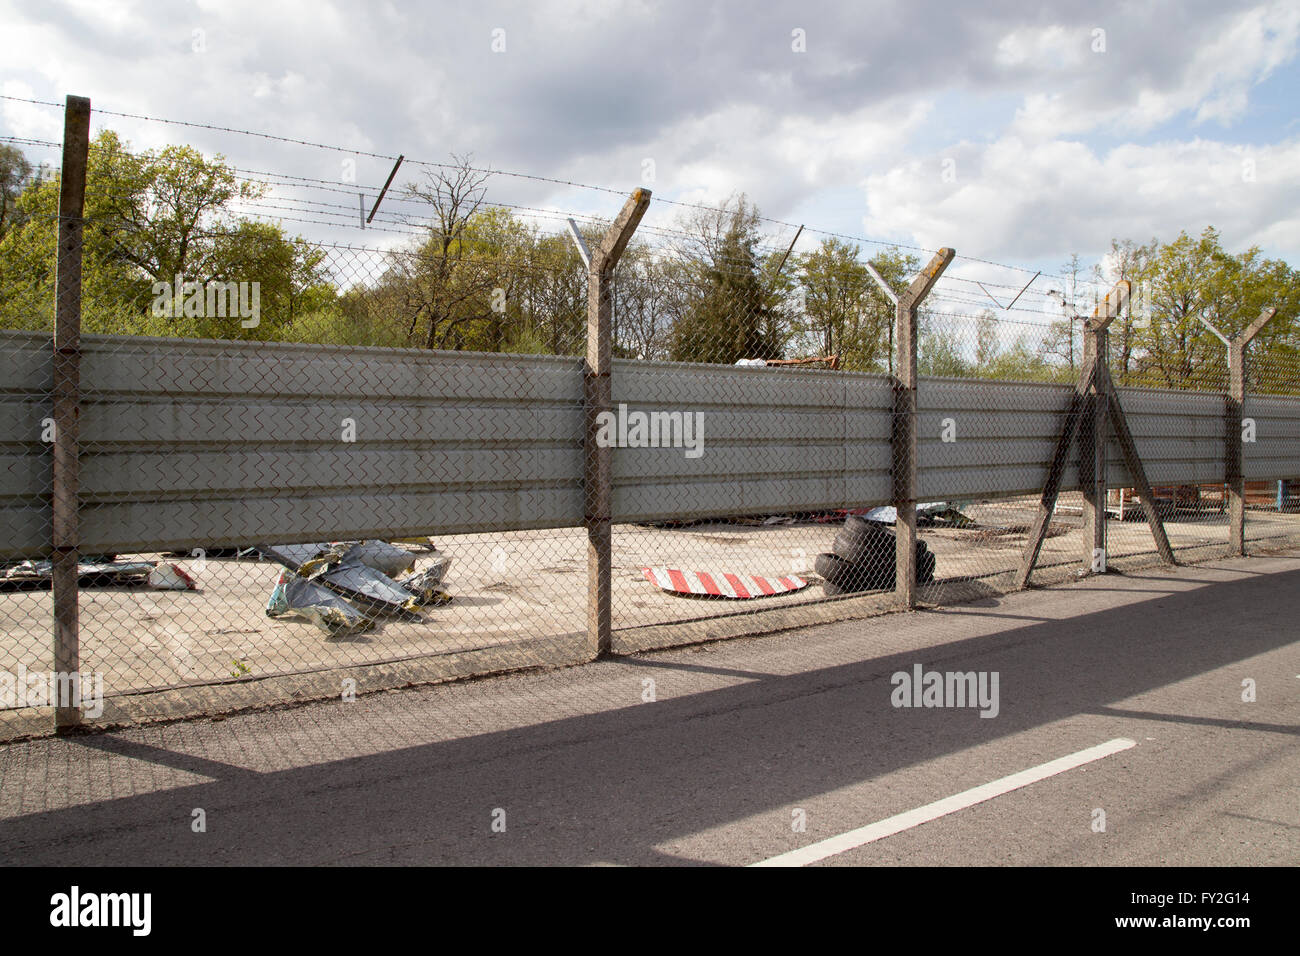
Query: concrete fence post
[[1234, 475], [1097, 415], [598, 398], [1092, 461], [903, 433], [67, 402]]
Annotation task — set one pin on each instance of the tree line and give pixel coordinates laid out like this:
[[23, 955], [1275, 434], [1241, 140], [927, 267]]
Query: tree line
[[714, 288]]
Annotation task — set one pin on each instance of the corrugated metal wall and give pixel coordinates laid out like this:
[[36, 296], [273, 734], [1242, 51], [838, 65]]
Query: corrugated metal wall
[[194, 442], [231, 443], [26, 374], [1276, 448], [775, 440]]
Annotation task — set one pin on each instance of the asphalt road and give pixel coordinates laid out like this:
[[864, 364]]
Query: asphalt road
[[741, 740]]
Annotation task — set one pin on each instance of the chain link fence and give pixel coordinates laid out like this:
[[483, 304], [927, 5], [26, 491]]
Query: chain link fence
[[454, 437]]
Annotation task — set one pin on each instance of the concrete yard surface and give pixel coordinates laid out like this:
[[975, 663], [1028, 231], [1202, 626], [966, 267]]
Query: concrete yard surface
[[514, 593]]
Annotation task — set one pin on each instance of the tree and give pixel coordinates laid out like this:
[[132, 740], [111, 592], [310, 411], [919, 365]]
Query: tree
[[152, 217], [837, 302], [1191, 279], [650, 297], [444, 284], [15, 172], [730, 317]]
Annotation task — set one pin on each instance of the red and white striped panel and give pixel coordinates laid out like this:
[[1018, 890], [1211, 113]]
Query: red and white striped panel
[[721, 583]]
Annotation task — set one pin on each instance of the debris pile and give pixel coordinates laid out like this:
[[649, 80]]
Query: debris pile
[[929, 514], [346, 587], [862, 559], [100, 571]]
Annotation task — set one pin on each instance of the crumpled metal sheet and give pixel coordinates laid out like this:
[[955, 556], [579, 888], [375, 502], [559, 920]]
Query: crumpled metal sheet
[[293, 556], [89, 572], [299, 597], [372, 588], [360, 575], [426, 584], [380, 555]]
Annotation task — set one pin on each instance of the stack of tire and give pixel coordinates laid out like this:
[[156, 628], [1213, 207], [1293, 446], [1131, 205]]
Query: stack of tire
[[862, 559]]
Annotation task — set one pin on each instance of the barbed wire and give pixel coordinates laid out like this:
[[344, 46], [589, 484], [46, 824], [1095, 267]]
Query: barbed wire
[[660, 230]]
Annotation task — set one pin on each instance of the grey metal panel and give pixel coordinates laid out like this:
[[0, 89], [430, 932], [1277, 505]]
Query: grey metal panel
[[775, 440], [1004, 434], [983, 395], [686, 384], [1275, 453], [635, 465], [196, 442], [255, 470], [124, 365], [26, 375], [158, 524], [1179, 436], [25, 529], [241, 422], [756, 495]]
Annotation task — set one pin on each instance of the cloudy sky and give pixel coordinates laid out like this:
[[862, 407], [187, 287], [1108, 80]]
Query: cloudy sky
[[1014, 132]]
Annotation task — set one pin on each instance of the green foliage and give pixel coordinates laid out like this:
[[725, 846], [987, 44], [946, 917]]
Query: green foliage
[[151, 217], [845, 312], [1180, 284], [731, 315], [480, 278], [15, 175]]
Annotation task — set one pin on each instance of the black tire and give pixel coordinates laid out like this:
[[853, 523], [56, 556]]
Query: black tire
[[846, 577], [860, 541], [851, 577], [925, 564], [869, 547], [862, 548], [857, 526]]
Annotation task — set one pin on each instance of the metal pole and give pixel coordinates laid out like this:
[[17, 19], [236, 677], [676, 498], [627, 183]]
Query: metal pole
[[384, 192], [598, 398], [67, 402]]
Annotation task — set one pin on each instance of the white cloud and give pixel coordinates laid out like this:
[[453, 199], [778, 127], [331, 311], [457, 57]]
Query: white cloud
[[1208, 72], [26, 119], [1018, 200], [718, 100]]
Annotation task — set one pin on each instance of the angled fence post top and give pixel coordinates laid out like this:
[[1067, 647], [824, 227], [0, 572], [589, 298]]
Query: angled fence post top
[[928, 276], [1244, 337], [880, 281], [1254, 328], [921, 285], [1109, 308], [606, 255], [580, 242]]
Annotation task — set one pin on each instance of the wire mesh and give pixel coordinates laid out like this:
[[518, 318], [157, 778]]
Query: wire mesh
[[302, 456]]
